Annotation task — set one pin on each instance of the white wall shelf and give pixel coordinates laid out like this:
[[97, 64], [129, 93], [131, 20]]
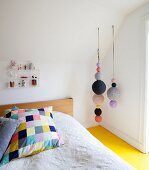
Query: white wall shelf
[[22, 75]]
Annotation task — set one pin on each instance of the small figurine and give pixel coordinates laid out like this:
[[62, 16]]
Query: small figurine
[[25, 67], [20, 67], [23, 83], [11, 83], [30, 66], [12, 64], [34, 80], [19, 84]]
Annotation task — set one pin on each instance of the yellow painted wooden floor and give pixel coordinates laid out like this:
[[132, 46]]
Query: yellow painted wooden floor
[[134, 157]]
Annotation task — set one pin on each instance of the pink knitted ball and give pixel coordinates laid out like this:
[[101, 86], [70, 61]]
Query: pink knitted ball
[[98, 99], [98, 69]]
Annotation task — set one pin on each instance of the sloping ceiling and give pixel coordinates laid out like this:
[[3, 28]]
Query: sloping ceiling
[[119, 9], [121, 6], [70, 25]]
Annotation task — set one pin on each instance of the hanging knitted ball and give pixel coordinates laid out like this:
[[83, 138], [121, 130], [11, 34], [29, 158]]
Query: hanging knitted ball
[[97, 76], [98, 99], [113, 103], [98, 64], [98, 69], [98, 111], [113, 84], [98, 119], [99, 87], [113, 93]]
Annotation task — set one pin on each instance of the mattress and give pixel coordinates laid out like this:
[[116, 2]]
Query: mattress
[[81, 151]]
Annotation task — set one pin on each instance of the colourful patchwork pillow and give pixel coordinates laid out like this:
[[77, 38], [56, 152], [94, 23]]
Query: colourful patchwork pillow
[[16, 114], [35, 133]]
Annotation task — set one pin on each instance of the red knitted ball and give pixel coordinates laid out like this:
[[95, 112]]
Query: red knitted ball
[[98, 119], [98, 69]]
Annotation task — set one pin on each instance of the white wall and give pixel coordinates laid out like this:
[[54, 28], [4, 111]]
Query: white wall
[[60, 37], [127, 120], [146, 115]]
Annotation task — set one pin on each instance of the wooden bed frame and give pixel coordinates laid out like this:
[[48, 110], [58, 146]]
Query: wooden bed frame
[[61, 105]]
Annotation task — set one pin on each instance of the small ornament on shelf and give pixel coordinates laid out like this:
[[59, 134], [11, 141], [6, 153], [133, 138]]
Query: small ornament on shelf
[[31, 66], [13, 64], [25, 67], [34, 80], [19, 84], [20, 67], [23, 83], [12, 84]]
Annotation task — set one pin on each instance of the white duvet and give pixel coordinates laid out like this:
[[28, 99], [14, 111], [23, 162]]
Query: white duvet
[[81, 151]]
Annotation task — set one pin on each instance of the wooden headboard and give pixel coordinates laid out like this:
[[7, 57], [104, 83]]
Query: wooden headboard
[[61, 105]]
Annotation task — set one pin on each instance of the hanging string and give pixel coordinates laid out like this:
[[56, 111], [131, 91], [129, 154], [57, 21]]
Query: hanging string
[[98, 46], [113, 54]]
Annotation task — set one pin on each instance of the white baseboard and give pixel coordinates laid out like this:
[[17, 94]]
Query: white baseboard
[[124, 137]]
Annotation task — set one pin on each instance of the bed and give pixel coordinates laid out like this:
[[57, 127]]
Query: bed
[[81, 151]]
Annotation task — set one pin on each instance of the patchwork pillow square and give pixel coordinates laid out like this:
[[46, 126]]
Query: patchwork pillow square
[[18, 113], [35, 133]]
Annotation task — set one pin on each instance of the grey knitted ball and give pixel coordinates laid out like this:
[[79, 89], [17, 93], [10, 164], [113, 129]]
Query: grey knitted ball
[[113, 93], [97, 76]]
